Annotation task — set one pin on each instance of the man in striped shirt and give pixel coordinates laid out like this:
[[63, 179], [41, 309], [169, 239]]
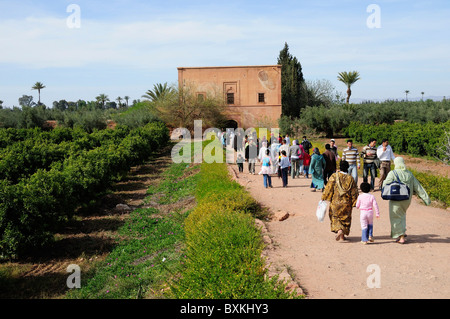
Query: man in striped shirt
[[350, 154], [369, 154]]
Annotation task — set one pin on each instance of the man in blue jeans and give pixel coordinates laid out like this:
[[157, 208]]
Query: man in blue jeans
[[350, 154]]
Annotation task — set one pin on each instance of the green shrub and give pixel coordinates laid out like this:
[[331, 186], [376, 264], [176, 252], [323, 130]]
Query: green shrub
[[327, 120], [136, 116], [437, 187]]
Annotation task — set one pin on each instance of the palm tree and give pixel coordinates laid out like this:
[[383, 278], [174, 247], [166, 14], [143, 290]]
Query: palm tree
[[407, 92], [422, 94], [349, 78], [38, 86], [119, 99], [160, 91], [126, 98], [102, 98]]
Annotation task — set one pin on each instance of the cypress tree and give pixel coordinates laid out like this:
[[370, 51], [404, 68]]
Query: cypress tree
[[293, 86]]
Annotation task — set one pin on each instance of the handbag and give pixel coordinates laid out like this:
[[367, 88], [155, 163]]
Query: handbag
[[377, 162], [321, 210], [396, 191]]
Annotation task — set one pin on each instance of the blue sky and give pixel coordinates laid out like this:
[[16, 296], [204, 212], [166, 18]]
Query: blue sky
[[125, 47]]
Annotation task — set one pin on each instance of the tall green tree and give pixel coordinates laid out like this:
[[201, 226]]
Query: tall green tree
[[26, 101], [348, 78], [294, 96], [38, 86]]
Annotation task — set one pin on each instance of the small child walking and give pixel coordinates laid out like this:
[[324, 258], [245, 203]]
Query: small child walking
[[366, 203], [306, 162], [265, 169], [240, 163]]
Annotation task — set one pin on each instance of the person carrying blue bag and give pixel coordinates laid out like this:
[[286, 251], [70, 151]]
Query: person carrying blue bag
[[398, 208]]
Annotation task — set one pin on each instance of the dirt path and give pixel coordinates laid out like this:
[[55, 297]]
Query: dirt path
[[328, 269]]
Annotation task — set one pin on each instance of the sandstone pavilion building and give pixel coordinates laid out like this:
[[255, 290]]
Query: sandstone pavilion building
[[252, 93]]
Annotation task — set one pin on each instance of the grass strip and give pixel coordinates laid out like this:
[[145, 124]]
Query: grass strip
[[223, 246]]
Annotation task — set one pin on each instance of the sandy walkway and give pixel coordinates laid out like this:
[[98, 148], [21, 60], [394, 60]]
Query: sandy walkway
[[328, 269]]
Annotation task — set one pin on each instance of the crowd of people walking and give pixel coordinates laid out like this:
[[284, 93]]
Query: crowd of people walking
[[336, 175]]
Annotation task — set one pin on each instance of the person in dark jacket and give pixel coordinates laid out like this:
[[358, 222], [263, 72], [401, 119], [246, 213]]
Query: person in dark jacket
[[251, 153], [306, 145], [330, 159]]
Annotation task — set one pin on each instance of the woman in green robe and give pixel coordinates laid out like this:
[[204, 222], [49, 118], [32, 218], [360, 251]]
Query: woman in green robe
[[397, 209], [342, 193], [316, 168]]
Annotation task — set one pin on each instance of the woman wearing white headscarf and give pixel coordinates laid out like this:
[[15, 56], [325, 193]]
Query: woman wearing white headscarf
[[262, 151], [397, 209]]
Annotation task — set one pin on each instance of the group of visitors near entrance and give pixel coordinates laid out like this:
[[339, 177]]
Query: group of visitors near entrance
[[337, 177]]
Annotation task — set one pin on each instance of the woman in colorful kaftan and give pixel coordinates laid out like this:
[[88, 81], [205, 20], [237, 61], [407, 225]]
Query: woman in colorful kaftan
[[342, 193]]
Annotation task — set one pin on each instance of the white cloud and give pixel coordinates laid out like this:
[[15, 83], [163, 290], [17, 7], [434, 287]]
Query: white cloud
[[324, 40], [48, 42]]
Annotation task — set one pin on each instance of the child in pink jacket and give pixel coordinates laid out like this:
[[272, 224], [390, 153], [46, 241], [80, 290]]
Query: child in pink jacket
[[366, 203]]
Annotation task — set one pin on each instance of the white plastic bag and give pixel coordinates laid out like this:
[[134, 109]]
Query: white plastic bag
[[321, 210]]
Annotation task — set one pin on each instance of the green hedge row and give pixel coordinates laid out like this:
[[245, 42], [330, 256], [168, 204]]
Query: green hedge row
[[333, 119], [34, 208], [10, 136], [24, 151], [404, 137]]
